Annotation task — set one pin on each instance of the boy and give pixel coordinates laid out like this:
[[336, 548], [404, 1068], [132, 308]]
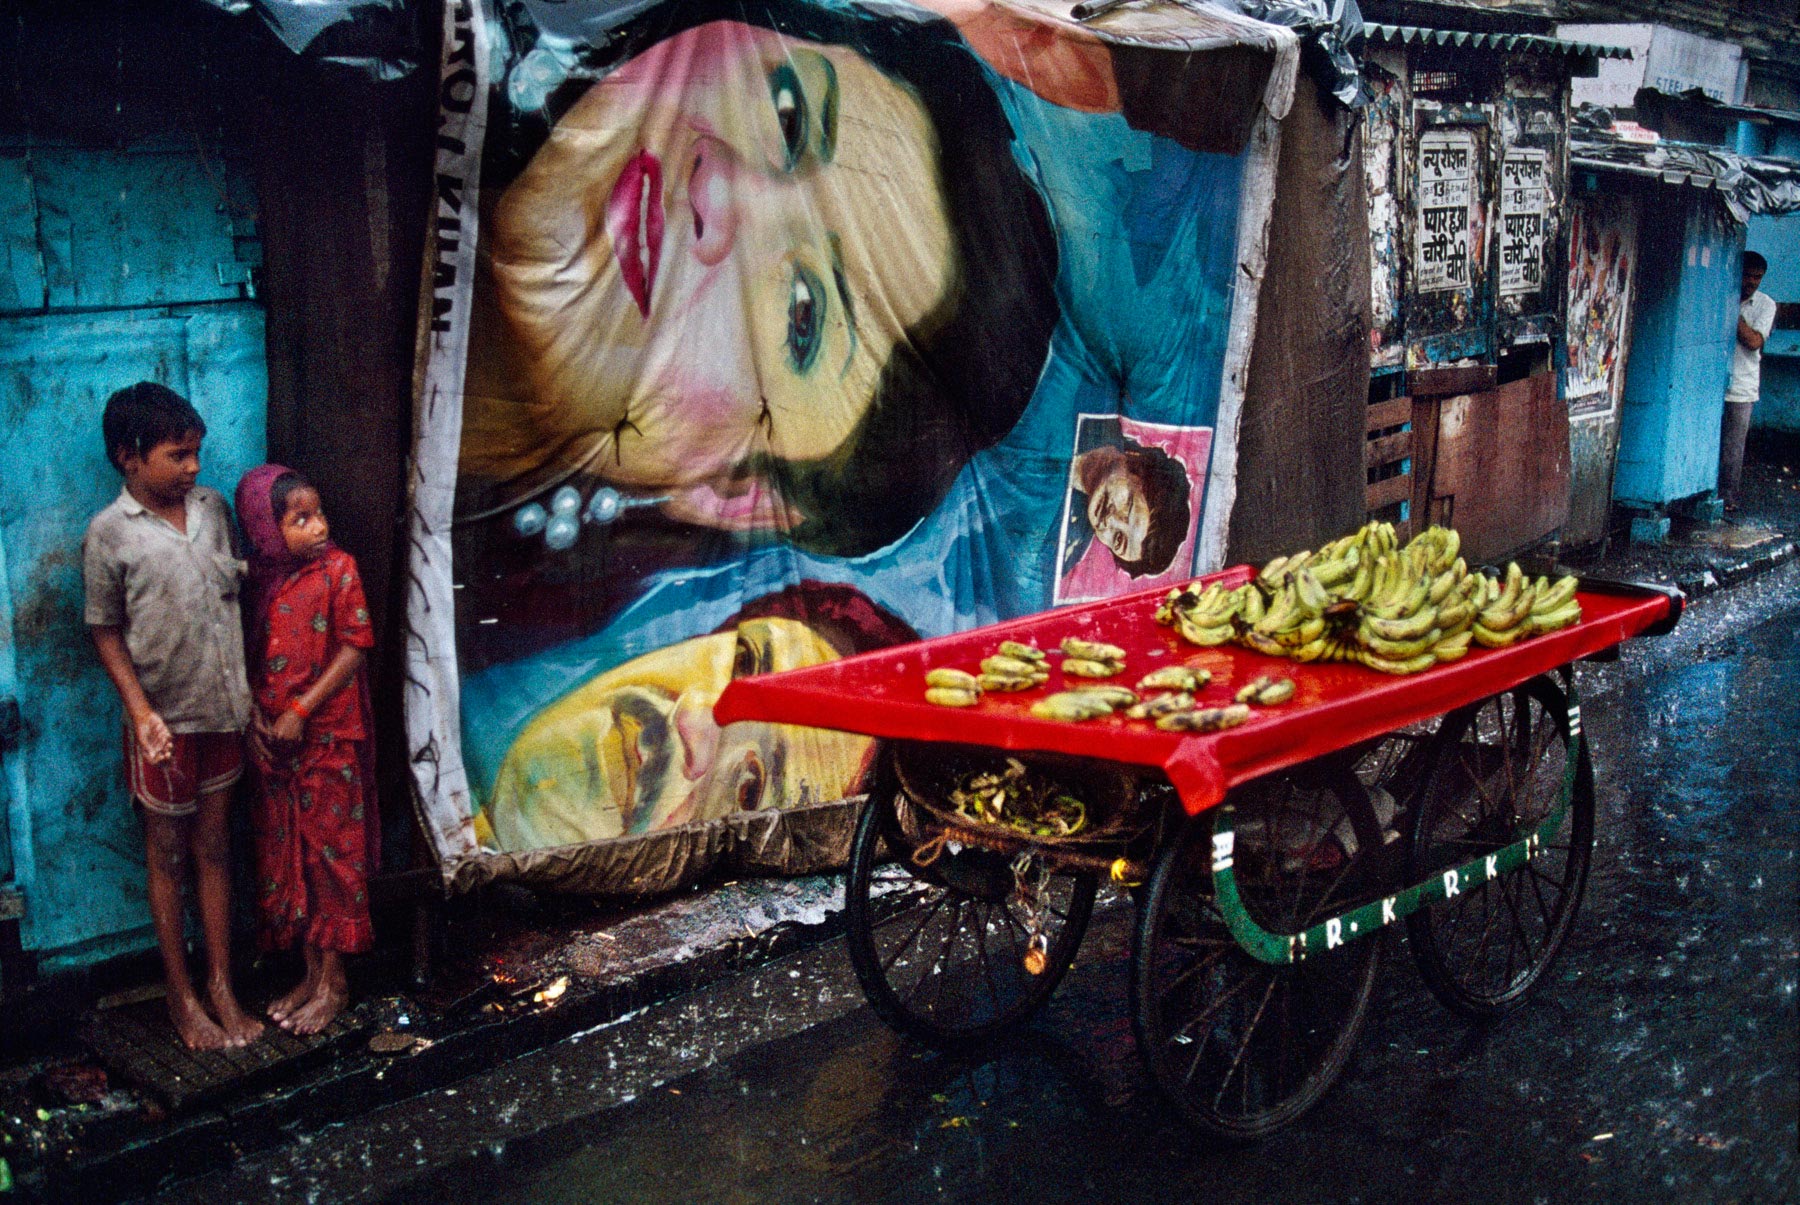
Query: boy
[[162, 606]]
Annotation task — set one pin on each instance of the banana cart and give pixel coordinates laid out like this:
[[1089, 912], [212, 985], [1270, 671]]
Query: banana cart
[[1263, 858]]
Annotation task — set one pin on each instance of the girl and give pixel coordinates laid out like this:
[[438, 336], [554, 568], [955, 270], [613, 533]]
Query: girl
[[315, 823]]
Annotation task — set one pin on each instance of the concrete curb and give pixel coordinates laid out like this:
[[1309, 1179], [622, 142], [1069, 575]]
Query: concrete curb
[[108, 1157]]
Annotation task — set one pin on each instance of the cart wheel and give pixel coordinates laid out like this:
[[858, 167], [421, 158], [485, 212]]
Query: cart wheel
[[941, 949], [1504, 765], [1244, 1047]]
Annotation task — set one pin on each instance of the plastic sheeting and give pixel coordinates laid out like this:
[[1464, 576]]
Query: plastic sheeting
[[375, 37], [1747, 185], [759, 336]]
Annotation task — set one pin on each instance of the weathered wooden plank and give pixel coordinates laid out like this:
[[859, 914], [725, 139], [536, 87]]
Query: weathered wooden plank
[[1393, 413], [1441, 382], [1387, 449], [1386, 493]]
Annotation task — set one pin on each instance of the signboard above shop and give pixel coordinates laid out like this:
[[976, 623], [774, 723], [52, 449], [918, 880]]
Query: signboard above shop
[[1668, 60]]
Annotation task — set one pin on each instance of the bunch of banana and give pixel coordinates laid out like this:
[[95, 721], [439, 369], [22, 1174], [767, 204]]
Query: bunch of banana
[[1209, 617], [1004, 672], [1367, 598], [1266, 690], [1088, 703], [1157, 706], [1090, 658], [1519, 608], [952, 688], [1175, 677]]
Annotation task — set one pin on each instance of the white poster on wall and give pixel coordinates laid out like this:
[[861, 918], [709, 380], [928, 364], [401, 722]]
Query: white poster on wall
[[1524, 203], [1446, 189]]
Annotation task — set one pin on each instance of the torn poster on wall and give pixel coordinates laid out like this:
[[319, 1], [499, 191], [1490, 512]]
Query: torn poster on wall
[[1524, 205], [1447, 166], [761, 336]]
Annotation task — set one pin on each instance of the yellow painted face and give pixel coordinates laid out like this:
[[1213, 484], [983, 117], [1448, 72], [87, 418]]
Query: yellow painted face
[[636, 749], [709, 263]]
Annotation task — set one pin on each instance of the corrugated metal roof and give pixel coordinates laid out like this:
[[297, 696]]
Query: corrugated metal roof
[[1512, 43]]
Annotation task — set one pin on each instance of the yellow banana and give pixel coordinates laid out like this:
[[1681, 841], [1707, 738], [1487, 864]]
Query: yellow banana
[[1071, 706], [1558, 593], [1450, 648], [1487, 637], [1549, 621], [1262, 644], [1206, 636], [1022, 652], [1158, 706], [949, 696], [1441, 585], [1081, 667], [954, 679], [1007, 682], [1401, 650], [1207, 719], [1091, 650], [1308, 631], [1411, 665], [1455, 616]]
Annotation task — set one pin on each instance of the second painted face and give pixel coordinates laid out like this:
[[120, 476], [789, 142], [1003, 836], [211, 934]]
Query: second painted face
[[303, 525], [709, 263]]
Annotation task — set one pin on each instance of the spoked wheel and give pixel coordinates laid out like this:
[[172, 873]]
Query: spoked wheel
[[1504, 766], [1243, 1047], [941, 948]]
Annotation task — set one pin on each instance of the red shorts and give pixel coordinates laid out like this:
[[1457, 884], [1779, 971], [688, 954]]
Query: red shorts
[[203, 762]]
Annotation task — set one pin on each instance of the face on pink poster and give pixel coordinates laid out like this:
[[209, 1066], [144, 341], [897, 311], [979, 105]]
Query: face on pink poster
[[1132, 508]]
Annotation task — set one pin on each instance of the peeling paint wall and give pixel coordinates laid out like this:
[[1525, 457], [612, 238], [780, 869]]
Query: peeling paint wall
[[127, 247], [1384, 133]]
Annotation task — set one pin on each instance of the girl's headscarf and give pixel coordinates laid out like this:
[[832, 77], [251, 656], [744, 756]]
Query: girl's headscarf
[[270, 560]]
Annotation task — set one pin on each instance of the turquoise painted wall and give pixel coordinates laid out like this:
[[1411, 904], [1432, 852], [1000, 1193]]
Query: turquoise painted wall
[[1689, 268], [115, 266]]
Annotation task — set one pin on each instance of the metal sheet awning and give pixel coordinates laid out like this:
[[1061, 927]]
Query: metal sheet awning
[[1512, 43]]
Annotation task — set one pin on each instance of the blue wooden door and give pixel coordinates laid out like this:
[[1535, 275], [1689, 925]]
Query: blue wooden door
[[118, 267]]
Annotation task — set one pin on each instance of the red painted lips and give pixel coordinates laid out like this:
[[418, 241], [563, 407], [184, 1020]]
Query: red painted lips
[[634, 221]]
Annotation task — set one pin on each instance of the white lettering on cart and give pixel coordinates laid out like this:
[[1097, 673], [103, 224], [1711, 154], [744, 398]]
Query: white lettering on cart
[[1493, 866], [1387, 911], [1334, 933], [1222, 843], [1450, 882], [1574, 719]]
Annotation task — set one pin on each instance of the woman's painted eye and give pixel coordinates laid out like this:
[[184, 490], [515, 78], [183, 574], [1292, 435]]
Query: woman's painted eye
[[752, 781], [806, 319], [790, 111]]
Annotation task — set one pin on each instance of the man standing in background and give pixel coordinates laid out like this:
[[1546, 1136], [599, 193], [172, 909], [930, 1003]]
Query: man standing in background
[[1756, 317]]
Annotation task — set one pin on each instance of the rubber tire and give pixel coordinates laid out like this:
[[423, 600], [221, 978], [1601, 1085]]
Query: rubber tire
[[973, 883], [1560, 869], [1340, 983]]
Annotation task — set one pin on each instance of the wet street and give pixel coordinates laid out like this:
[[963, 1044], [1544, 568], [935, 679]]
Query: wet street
[[1658, 1062]]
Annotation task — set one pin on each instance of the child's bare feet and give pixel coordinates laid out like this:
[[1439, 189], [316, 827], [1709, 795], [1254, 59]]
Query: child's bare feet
[[240, 1027], [328, 999], [197, 1030], [282, 1008]]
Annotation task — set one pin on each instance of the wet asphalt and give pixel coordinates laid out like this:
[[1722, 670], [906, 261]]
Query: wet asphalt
[[1660, 1061]]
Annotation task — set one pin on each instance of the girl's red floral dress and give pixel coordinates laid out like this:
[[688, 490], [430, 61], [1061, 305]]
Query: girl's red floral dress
[[314, 824]]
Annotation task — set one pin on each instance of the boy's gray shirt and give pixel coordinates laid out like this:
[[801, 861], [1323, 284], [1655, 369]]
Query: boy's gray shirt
[[175, 597]]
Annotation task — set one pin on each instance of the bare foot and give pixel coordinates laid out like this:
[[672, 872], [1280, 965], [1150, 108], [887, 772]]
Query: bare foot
[[303, 991], [240, 1027], [330, 995], [196, 1029], [320, 1011]]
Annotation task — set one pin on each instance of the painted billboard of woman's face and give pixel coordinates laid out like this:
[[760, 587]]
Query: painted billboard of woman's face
[[723, 287]]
